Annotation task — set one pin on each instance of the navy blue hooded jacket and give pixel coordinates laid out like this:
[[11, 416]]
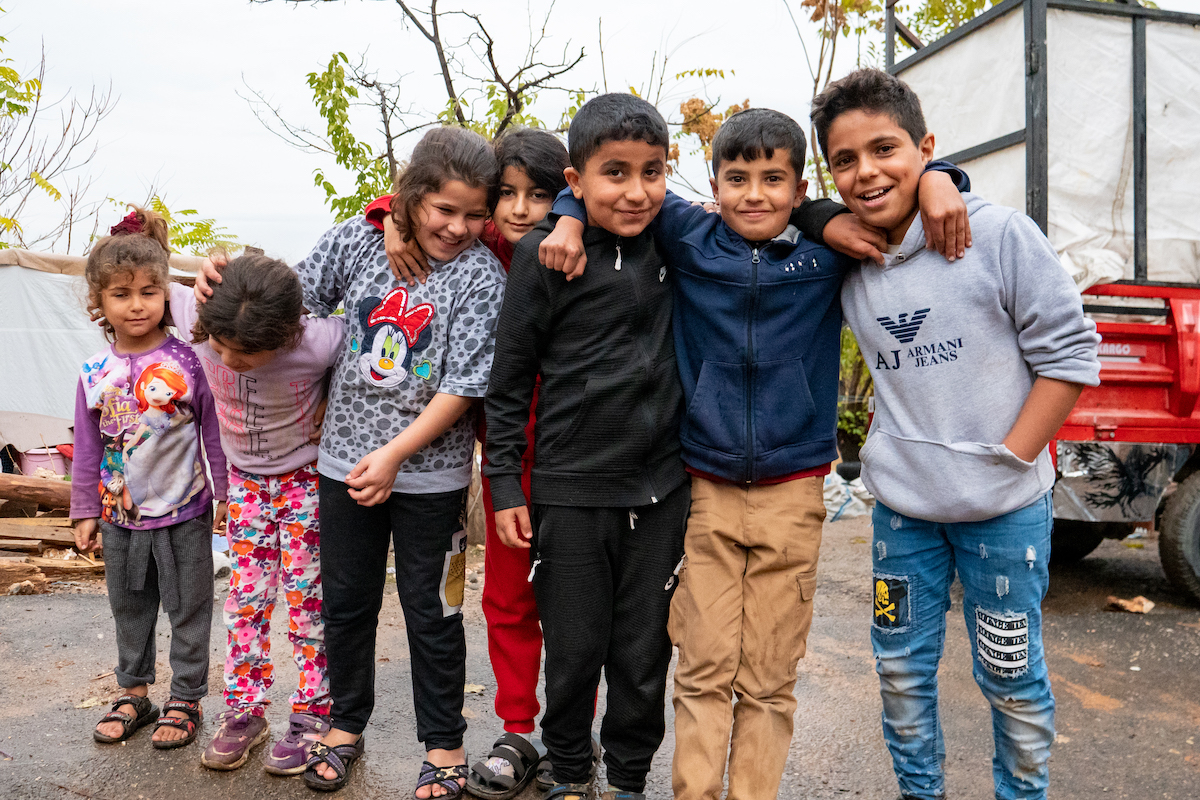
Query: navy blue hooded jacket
[[757, 329]]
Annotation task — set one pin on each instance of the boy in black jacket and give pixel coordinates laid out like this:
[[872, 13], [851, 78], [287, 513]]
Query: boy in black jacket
[[609, 491]]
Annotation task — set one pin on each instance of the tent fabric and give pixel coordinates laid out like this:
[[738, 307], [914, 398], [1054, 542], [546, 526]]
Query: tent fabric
[[973, 91], [73, 265]]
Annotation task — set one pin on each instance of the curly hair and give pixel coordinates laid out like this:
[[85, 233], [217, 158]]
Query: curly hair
[[125, 253]]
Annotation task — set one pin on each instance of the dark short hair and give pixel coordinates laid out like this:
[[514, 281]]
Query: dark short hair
[[539, 154], [871, 90], [759, 132], [444, 154], [258, 305], [615, 117]]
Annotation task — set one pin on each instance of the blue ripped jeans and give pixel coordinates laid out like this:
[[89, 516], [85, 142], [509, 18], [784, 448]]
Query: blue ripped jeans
[[1003, 565]]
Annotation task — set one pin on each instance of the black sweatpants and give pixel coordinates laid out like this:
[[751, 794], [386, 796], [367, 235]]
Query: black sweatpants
[[430, 541], [603, 584]]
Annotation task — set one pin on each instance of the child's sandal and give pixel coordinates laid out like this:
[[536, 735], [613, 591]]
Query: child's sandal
[[340, 759], [145, 714], [568, 791], [446, 777], [190, 724]]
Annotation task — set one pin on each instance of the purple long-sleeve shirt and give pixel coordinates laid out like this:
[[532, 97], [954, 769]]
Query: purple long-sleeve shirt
[[140, 419]]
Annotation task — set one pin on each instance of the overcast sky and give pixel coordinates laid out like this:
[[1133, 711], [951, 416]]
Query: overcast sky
[[176, 68]]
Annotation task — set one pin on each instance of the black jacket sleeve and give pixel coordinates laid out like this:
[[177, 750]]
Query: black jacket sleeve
[[521, 333], [813, 215]]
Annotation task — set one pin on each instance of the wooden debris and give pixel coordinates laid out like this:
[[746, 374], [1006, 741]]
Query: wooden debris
[[15, 570], [57, 568], [1138, 605], [52, 530], [36, 585], [21, 545], [43, 491]]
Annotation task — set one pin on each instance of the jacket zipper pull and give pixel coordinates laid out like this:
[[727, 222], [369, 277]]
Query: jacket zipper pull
[[632, 517], [532, 570], [617, 266], [754, 255], [674, 575]]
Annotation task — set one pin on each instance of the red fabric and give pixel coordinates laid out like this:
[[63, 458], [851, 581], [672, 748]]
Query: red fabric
[[377, 210], [513, 627], [795, 476]]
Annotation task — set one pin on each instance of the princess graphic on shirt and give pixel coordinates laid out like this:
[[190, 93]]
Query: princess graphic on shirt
[[391, 336], [162, 468]]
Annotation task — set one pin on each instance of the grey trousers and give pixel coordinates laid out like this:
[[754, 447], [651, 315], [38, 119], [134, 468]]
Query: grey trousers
[[174, 565]]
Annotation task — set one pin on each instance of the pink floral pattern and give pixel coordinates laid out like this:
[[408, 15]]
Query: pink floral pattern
[[274, 538]]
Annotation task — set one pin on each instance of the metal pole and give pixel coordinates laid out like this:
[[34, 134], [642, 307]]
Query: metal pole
[[1140, 252], [1037, 128]]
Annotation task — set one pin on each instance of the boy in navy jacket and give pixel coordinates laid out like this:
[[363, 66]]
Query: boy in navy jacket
[[757, 326]]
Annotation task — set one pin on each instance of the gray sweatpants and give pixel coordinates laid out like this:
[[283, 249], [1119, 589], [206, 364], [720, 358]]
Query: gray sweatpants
[[173, 565]]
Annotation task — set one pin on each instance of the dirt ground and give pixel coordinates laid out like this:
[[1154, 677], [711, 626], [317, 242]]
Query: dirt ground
[[1128, 709]]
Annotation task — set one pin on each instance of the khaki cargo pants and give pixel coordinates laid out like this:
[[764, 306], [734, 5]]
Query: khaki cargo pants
[[740, 619]]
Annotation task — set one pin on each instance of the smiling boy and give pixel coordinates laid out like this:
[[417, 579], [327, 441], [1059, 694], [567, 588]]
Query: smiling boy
[[976, 366], [757, 338], [609, 492]]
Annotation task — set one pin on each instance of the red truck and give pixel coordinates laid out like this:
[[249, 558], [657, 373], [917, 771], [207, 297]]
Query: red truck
[[1084, 114]]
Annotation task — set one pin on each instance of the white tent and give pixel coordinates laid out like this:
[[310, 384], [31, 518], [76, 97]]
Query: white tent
[[45, 332], [989, 92]]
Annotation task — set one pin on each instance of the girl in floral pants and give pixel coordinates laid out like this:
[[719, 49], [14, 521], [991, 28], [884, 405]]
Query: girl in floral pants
[[267, 365]]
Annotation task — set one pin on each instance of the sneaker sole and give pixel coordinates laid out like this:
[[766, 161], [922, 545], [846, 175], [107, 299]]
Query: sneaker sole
[[286, 773], [255, 742]]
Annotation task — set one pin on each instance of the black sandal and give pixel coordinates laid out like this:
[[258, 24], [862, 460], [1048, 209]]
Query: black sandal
[[545, 773], [340, 757], [568, 791], [145, 710], [516, 751], [621, 794], [446, 777], [190, 723]]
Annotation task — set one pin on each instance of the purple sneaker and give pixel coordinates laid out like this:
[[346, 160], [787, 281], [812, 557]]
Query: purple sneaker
[[240, 732], [290, 754]]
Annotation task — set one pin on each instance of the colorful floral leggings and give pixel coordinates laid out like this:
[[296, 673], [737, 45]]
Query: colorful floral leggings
[[274, 537]]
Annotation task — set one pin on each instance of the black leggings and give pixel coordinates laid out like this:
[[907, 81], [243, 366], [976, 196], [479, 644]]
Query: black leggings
[[603, 588], [428, 533]]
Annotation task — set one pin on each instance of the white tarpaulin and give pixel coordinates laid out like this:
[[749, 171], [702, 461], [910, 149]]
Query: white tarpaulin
[[45, 335], [973, 91]]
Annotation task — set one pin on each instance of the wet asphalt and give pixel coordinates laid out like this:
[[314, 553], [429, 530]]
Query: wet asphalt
[[1126, 685]]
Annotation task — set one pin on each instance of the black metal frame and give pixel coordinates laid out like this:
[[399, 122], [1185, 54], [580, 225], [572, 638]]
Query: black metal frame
[[1035, 134]]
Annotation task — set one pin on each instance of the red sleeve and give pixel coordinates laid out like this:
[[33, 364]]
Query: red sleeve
[[377, 210], [500, 247]]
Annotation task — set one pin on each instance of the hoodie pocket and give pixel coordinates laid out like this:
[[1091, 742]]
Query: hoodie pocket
[[951, 482], [716, 416], [783, 405], [610, 414]]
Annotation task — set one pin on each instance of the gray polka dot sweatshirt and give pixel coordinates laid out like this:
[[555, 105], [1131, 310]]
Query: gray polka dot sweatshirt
[[403, 345]]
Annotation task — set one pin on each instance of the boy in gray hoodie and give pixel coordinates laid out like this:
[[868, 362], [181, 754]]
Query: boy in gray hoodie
[[976, 366]]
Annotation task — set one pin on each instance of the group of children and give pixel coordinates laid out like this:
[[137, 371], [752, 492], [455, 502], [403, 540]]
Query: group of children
[[661, 388]]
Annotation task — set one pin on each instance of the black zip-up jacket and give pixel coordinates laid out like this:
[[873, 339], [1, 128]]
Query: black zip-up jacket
[[607, 430]]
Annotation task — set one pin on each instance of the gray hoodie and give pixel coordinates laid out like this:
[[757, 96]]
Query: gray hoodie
[[954, 349]]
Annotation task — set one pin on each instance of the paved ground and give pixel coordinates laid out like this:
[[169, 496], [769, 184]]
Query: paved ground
[[1128, 719]]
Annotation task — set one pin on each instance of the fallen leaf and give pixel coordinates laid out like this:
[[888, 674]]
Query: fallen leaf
[[384, 660], [474, 688], [1138, 605], [91, 702], [1135, 545], [102, 677], [1062, 739], [858, 540], [61, 664], [468, 713]]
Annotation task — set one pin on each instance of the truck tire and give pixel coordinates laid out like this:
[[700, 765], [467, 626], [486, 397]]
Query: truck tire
[[1179, 539], [1071, 540]]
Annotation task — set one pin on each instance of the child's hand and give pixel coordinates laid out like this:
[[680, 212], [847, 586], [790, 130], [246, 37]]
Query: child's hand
[[209, 273], [405, 258], [514, 527], [219, 517], [318, 420], [711, 206], [562, 250], [944, 215], [371, 479], [87, 535], [848, 234]]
